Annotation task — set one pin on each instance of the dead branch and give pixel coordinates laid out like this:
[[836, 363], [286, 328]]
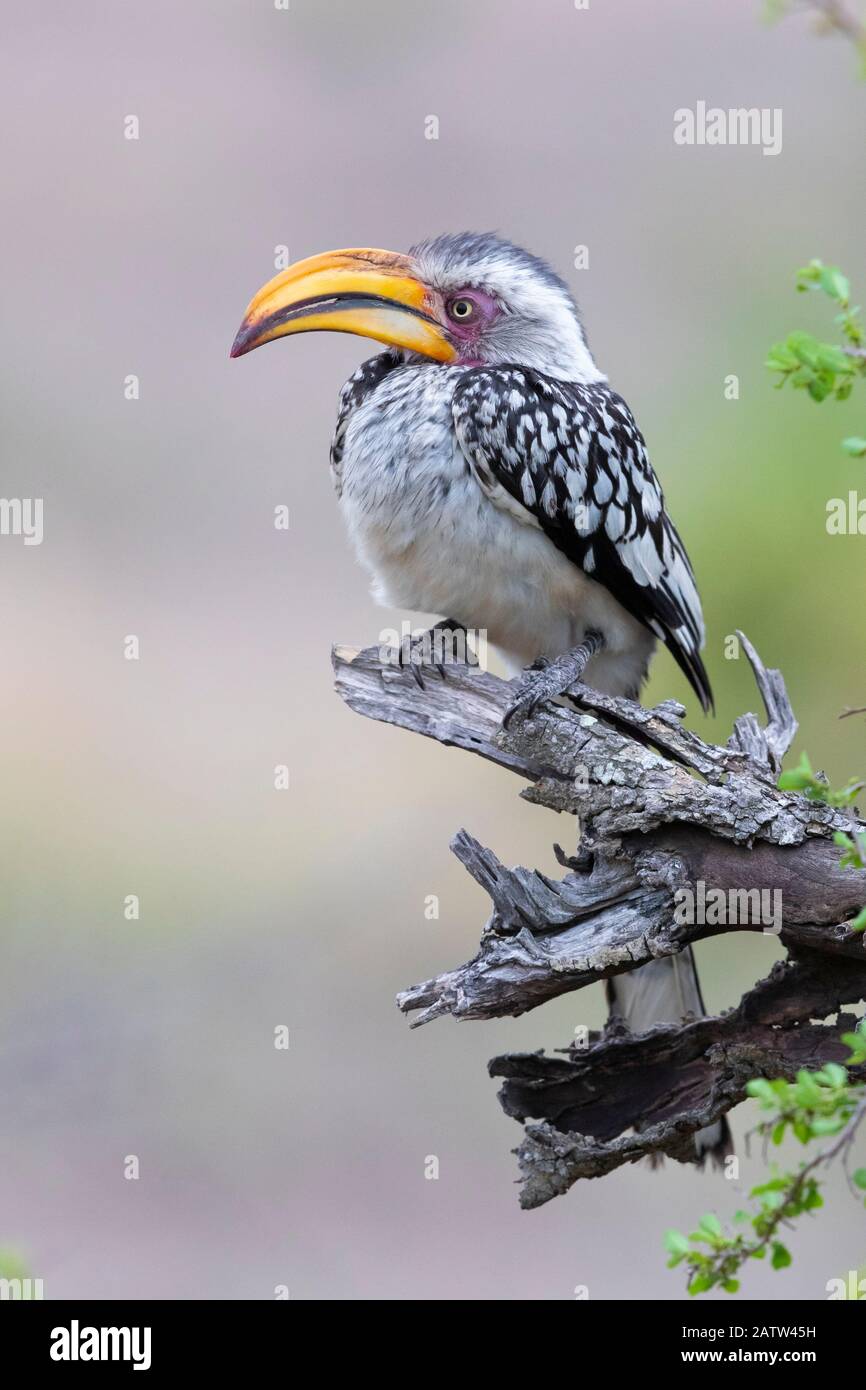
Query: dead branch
[[663, 815]]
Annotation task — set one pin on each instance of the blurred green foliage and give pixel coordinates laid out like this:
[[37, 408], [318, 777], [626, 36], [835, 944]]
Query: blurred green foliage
[[831, 16], [12, 1264]]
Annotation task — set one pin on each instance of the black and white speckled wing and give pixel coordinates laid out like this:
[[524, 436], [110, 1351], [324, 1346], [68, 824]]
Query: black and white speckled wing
[[573, 458], [359, 386]]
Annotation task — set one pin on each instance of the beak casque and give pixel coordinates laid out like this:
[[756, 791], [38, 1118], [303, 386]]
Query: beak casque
[[372, 293]]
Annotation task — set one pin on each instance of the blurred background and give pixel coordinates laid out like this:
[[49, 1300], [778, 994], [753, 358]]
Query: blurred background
[[305, 128]]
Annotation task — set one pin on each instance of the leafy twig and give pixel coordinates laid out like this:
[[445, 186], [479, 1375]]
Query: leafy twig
[[816, 1105], [825, 370]]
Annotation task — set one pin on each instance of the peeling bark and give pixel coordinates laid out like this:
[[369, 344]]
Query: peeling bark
[[671, 1081], [662, 814]]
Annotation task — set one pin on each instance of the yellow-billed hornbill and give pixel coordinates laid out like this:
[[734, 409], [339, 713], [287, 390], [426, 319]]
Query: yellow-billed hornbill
[[487, 472]]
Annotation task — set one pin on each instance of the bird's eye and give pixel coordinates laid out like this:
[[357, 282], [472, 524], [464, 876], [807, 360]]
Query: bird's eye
[[461, 309]]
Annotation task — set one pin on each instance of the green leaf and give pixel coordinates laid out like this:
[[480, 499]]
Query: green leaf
[[780, 358], [808, 1087], [804, 347], [859, 922], [819, 388], [847, 795], [859, 1177], [710, 1225], [781, 1256], [852, 859], [802, 1130], [798, 778], [759, 1086], [855, 445], [676, 1243], [700, 1284], [823, 1125], [731, 1285], [809, 276], [774, 1185], [833, 359], [834, 283], [838, 1075]]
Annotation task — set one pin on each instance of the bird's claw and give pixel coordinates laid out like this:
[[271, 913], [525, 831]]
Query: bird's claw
[[546, 680], [526, 702], [530, 694], [415, 658]]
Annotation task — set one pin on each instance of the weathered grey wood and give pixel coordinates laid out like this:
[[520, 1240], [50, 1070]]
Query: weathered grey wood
[[546, 937], [769, 744], [660, 811], [616, 765], [669, 1082]]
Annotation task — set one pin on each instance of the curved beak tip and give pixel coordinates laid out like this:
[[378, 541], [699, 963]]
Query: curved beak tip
[[241, 343]]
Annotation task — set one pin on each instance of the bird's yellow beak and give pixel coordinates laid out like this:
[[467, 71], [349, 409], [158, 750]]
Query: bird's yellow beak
[[371, 293]]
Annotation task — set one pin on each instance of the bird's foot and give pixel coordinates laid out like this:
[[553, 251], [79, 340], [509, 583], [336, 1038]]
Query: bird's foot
[[440, 646], [546, 680]]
